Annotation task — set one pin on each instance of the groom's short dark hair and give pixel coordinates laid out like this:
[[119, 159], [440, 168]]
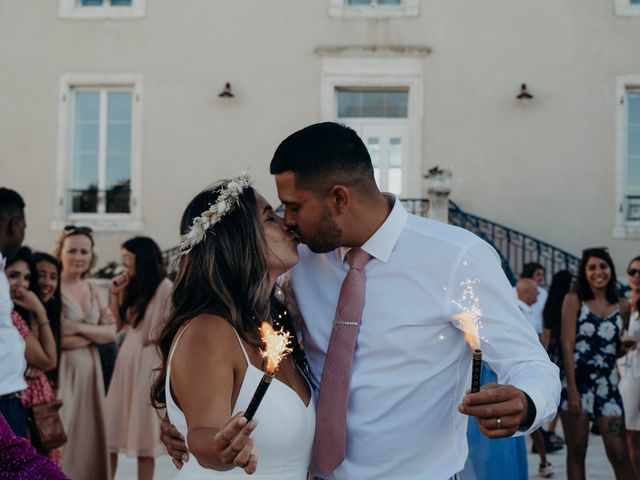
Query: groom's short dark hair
[[322, 154]]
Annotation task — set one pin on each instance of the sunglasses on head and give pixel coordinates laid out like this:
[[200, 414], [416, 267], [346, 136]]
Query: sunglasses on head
[[78, 229], [632, 272]]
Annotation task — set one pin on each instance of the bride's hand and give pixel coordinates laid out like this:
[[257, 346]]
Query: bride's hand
[[234, 445]]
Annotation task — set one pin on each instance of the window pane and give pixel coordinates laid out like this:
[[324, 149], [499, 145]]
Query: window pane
[[121, 3], [86, 137], [118, 198], [634, 107], [118, 152], [395, 181], [395, 152], [635, 2], [359, 2], [84, 201], [634, 141], [633, 174], [91, 3], [84, 169], [389, 2], [119, 104], [373, 145], [372, 103]]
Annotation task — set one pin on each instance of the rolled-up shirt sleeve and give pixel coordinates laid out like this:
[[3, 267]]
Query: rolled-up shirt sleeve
[[509, 343]]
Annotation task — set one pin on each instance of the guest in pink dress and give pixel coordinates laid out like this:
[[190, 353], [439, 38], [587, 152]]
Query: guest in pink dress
[[140, 301], [31, 320]]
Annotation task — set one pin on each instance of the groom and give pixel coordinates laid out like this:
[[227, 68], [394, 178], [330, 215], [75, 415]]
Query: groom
[[380, 291]]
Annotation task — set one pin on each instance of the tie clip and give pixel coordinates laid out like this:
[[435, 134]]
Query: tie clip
[[349, 324]]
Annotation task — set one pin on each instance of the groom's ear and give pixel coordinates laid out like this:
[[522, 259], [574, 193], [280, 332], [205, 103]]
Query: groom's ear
[[340, 199]]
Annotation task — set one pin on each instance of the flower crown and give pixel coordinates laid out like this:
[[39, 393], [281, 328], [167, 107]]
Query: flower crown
[[227, 200]]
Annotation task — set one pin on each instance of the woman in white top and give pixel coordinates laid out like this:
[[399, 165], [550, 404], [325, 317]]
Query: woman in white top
[[629, 367], [234, 247]]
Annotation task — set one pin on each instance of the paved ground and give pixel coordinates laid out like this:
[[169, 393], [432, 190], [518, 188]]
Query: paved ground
[[598, 467]]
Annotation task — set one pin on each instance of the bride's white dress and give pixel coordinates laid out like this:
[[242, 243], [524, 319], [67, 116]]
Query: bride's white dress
[[284, 435]]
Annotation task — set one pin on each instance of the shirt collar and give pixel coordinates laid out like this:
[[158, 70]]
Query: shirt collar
[[381, 243], [526, 309]]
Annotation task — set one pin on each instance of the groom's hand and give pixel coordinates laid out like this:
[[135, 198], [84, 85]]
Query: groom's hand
[[500, 409], [174, 441]]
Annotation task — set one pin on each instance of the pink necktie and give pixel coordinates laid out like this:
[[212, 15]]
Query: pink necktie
[[329, 446]]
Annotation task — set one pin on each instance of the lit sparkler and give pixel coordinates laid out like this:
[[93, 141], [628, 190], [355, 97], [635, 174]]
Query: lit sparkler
[[276, 347], [469, 321]]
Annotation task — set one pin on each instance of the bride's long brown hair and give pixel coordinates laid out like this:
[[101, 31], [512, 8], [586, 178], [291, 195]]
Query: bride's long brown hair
[[226, 274]]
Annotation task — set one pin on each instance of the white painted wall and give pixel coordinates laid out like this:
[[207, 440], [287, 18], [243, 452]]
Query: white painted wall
[[547, 169]]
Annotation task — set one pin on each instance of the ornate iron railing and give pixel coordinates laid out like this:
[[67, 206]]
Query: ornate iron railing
[[515, 248]]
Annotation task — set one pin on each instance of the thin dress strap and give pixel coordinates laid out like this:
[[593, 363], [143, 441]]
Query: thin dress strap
[[175, 345], [244, 352]]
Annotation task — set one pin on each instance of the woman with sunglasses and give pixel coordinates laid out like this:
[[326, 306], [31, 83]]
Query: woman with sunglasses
[[629, 367], [86, 322], [591, 331]]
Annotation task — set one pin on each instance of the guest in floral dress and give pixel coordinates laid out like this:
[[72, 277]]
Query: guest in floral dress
[[40, 350], [591, 330]]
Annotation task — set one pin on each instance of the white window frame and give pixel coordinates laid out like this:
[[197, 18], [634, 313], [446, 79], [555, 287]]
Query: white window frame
[[131, 221], [353, 68], [625, 8], [340, 8], [623, 228], [74, 9]]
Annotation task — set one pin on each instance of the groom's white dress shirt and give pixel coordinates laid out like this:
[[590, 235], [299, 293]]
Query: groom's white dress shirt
[[412, 365]]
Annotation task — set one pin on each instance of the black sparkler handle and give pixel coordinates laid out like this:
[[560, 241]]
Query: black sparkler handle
[[258, 396], [476, 370]]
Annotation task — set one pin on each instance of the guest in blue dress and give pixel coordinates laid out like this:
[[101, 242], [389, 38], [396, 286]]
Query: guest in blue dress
[[494, 459]]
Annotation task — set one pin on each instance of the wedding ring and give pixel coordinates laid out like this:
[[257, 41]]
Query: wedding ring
[[498, 423]]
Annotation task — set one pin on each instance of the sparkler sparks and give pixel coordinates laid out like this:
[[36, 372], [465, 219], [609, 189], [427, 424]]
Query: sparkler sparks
[[469, 321], [276, 347]]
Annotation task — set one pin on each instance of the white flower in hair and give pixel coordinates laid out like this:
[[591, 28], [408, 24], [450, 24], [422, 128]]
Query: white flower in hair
[[226, 201]]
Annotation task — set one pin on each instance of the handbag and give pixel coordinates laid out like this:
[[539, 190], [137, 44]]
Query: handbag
[[45, 426]]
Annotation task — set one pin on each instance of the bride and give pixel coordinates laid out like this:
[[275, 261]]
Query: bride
[[233, 249]]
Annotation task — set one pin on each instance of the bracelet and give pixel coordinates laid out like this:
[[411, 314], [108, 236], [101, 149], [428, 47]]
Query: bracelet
[[44, 324]]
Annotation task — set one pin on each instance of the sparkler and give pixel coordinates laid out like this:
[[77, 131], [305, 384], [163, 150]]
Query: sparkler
[[276, 347], [470, 322]]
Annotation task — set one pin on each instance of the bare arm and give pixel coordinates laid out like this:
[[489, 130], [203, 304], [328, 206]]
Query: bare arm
[[40, 348], [570, 308], [70, 342], [206, 356], [105, 331]]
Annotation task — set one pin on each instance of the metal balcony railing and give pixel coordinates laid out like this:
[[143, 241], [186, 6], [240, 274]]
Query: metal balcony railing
[[92, 200]]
